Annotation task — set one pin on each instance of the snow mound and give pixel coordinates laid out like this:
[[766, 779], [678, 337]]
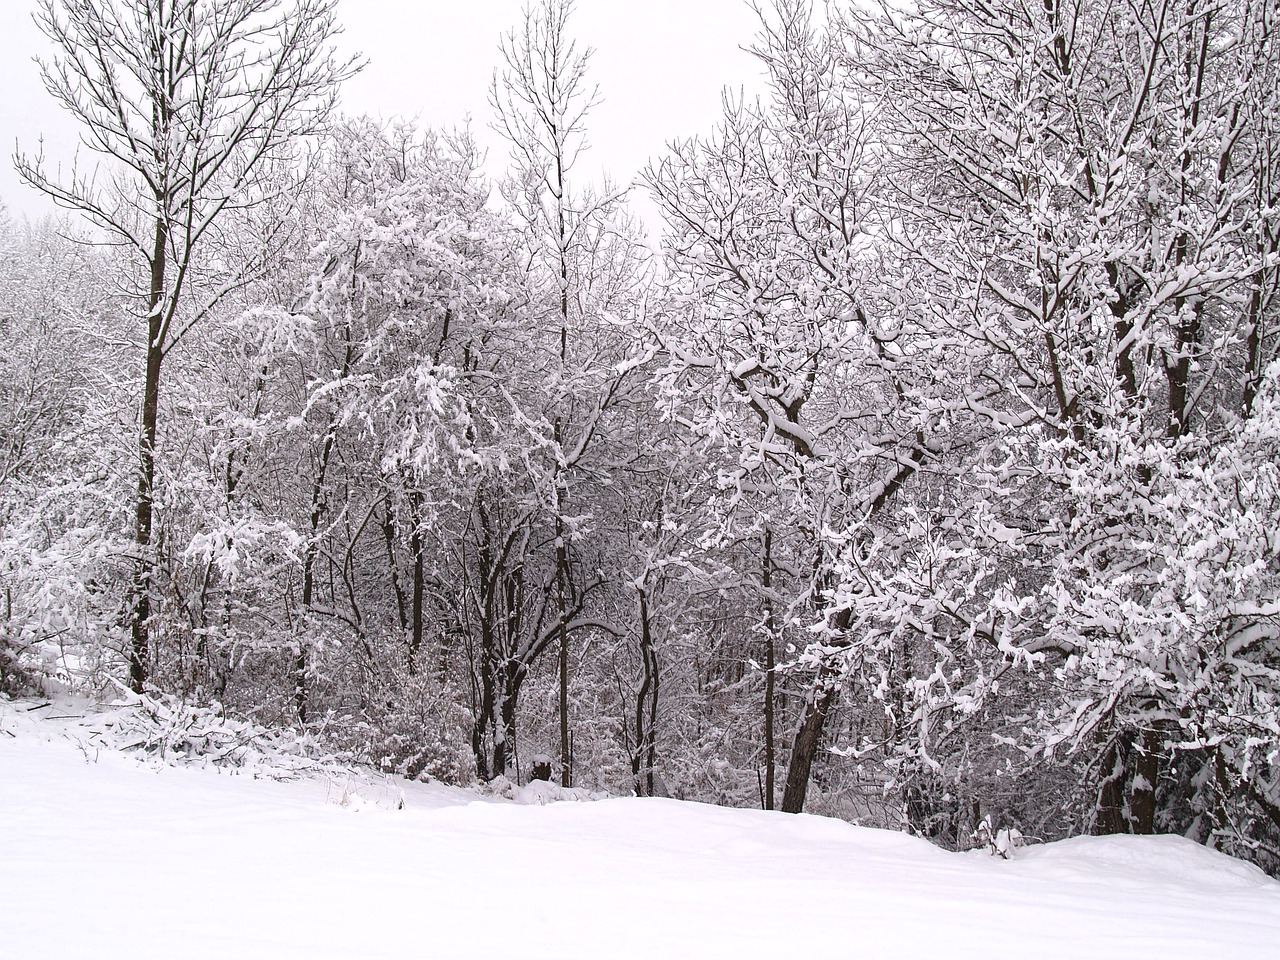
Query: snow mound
[[1139, 861], [541, 792]]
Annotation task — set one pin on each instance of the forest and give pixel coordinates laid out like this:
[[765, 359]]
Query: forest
[[927, 476]]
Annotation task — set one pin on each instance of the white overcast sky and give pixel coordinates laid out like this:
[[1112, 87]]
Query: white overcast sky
[[660, 64]]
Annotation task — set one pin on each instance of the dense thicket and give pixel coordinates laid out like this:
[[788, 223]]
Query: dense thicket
[[929, 477]]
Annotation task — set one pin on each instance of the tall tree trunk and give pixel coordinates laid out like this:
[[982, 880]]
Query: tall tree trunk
[[770, 679], [300, 693], [562, 564], [645, 756], [415, 547], [484, 709], [1146, 777], [1188, 310], [562, 548], [139, 625], [388, 525]]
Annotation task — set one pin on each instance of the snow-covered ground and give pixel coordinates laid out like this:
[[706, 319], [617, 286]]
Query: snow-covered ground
[[105, 854]]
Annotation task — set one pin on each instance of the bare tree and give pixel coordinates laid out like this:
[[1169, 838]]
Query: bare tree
[[541, 97], [191, 104]]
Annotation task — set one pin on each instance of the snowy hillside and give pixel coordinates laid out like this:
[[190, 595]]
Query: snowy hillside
[[109, 855]]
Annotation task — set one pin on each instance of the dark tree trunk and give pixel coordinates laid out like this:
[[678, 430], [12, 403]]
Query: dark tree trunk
[[645, 756], [805, 748], [562, 579], [300, 692], [770, 679], [504, 738], [388, 526], [1253, 350], [1142, 797], [1188, 310], [488, 693], [139, 623], [562, 548], [808, 737], [415, 547], [1111, 816]]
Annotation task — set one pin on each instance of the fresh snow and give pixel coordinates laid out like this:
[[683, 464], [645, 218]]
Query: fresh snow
[[106, 854]]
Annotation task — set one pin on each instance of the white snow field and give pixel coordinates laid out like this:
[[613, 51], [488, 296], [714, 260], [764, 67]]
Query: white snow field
[[106, 854]]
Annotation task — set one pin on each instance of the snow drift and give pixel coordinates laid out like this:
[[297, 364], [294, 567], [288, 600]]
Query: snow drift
[[108, 854]]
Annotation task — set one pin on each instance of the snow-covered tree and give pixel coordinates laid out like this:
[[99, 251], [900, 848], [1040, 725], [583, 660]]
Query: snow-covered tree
[[188, 105], [1083, 202], [777, 347], [582, 268]]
